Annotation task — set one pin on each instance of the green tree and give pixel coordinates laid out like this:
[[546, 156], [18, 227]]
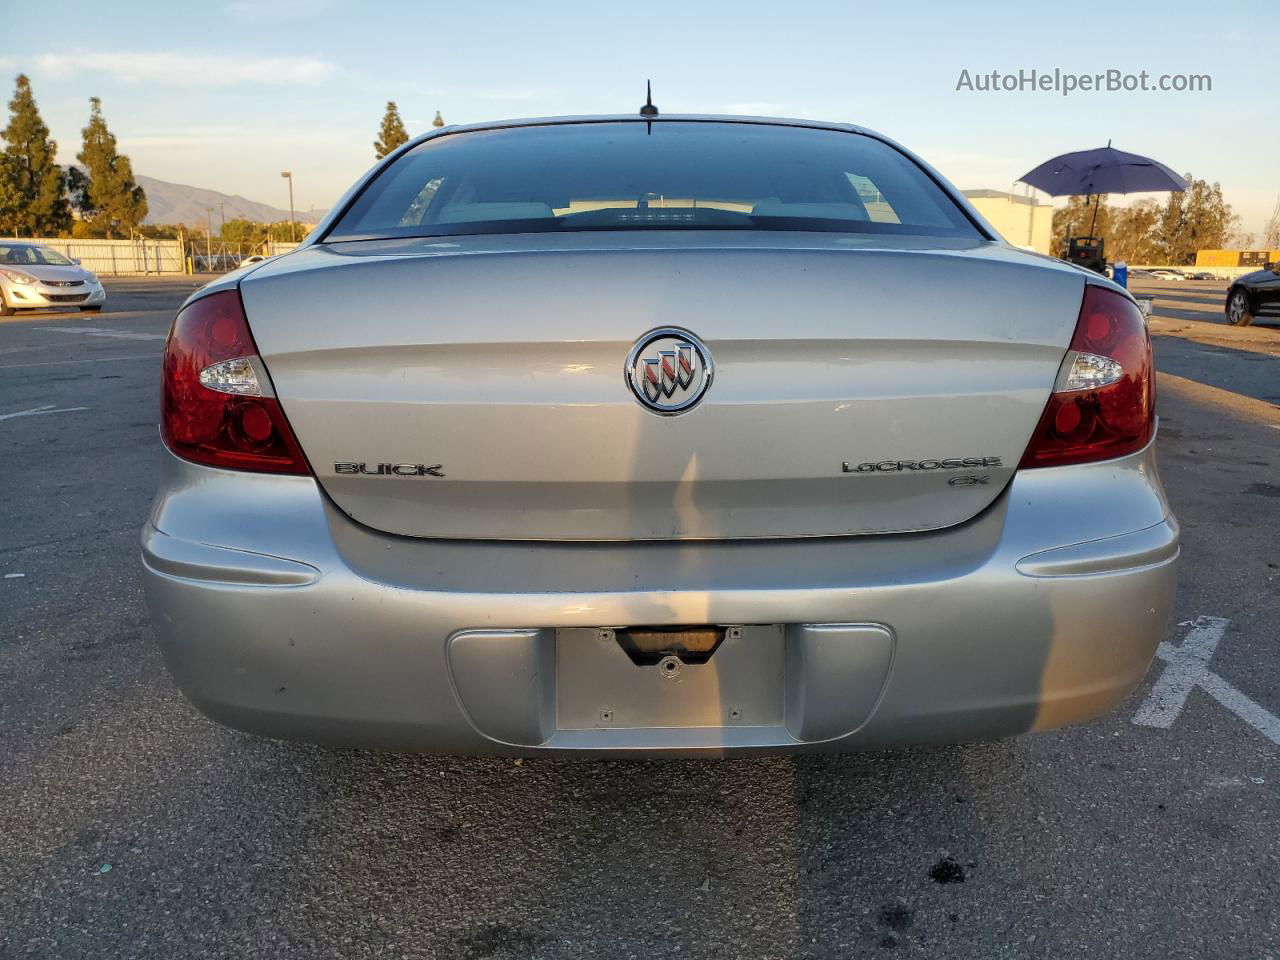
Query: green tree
[[1271, 232], [1150, 233], [281, 232], [1133, 237], [10, 197], [252, 234], [77, 184], [162, 231], [34, 177], [115, 203], [392, 134], [1197, 219], [1074, 219], [239, 230]]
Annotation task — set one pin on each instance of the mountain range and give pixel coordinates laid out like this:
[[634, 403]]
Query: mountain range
[[179, 203]]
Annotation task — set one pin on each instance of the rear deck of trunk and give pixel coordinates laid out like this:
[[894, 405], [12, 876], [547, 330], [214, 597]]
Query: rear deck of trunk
[[858, 388]]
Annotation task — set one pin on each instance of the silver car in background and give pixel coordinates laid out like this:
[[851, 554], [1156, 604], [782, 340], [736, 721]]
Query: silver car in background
[[33, 277], [632, 435]]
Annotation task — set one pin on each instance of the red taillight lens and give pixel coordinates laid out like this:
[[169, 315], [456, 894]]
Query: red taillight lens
[[231, 426], [1083, 422]]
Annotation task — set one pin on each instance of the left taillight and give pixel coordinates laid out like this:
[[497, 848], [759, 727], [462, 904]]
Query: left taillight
[[217, 406]]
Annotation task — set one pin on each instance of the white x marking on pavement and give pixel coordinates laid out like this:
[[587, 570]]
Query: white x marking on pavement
[[1188, 668]]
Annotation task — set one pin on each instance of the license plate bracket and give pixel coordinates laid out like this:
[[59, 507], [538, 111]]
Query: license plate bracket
[[739, 679]]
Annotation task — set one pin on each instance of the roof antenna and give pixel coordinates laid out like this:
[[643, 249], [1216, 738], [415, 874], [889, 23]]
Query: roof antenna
[[648, 110]]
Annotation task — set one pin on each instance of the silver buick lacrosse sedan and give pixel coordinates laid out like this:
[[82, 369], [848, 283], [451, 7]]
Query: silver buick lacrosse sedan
[[649, 435]]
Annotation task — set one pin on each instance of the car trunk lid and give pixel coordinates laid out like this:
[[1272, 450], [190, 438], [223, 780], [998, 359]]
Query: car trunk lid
[[475, 388]]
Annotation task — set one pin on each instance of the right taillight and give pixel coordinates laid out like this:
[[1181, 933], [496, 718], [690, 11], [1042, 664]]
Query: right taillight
[[1103, 404], [216, 406]]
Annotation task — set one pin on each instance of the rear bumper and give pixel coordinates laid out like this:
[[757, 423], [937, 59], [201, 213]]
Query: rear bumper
[[279, 615]]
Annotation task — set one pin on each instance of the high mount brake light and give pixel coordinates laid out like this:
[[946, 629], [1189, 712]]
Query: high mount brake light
[[212, 409], [1104, 402]]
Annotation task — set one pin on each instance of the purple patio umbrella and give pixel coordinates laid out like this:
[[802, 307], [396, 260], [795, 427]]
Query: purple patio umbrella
[[1103, 170]]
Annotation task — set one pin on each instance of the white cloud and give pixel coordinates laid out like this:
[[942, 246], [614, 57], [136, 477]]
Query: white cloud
[[189, 69]]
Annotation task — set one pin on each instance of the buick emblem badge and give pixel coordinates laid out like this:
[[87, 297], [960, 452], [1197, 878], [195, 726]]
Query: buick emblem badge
[[669, 370]]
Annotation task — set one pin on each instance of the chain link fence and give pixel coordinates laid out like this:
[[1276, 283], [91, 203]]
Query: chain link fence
[[217, 257]]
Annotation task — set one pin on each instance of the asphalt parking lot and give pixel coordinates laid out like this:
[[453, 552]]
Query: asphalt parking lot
[[132, 827]]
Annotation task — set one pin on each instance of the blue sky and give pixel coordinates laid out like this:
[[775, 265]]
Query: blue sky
[[227, 94]]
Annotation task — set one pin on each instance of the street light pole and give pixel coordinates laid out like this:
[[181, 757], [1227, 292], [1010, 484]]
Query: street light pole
[[209, 238], [293, 226]]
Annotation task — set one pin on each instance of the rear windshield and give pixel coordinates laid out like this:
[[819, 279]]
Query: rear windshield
[[668, 175]]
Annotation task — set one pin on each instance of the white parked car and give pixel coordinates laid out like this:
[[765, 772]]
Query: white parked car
[[33, 277]]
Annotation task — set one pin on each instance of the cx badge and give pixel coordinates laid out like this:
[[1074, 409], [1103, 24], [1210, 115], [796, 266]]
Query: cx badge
[[669, 370]]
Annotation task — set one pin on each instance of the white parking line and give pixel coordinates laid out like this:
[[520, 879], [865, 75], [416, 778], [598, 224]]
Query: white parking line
[[104, 332], [1187, 665], [1188, 668], [40, 411]]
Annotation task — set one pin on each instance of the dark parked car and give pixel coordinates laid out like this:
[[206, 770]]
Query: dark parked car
[[1254, 296]]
